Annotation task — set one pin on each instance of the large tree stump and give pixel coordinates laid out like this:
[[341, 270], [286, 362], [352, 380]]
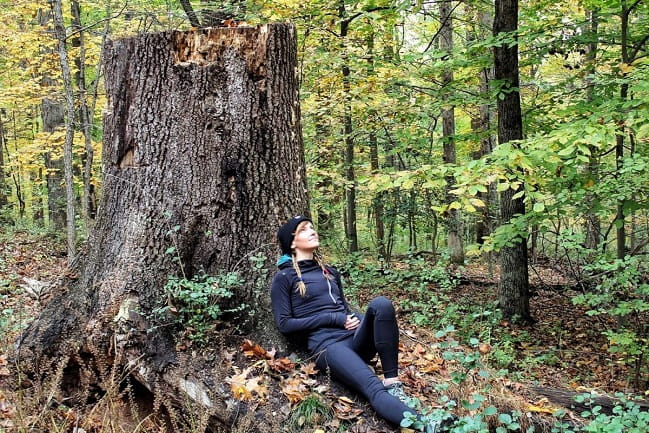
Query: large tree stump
[[202, 154]]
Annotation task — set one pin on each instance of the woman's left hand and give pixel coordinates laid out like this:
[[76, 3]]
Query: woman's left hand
[[352, 322]]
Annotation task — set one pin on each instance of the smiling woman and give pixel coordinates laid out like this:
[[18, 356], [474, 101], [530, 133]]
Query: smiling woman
[[310, 308]]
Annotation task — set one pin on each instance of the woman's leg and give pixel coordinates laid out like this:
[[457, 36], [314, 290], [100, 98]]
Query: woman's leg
[[345, 365], [379, 332]]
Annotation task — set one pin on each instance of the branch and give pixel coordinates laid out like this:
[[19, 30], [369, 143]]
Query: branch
[[358, 14], [189, 10], [89, 26], [441, 27]]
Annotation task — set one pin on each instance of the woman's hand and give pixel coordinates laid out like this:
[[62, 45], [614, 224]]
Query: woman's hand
[[352, 322]]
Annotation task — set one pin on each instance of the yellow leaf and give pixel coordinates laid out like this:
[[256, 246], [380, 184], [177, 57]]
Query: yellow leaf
[[539, 409]]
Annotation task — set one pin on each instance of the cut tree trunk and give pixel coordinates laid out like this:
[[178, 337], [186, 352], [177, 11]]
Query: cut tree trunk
[[202, 162]]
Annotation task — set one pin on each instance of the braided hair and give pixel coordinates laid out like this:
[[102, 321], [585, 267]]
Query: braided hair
[[317, 256]]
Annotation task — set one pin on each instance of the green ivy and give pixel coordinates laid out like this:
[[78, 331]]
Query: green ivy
[[196, 303]]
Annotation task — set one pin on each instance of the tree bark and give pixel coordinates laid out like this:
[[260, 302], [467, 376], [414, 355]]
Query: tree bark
[[453, 220], [52, 115], [59, 30], [619, 138], [593, 225], [203, 153], [86, 111], [350, 178], [377, 201], [514, 280], [4, 189]]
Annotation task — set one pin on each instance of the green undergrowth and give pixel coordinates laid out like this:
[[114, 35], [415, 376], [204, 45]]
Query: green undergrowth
[[427, 295]]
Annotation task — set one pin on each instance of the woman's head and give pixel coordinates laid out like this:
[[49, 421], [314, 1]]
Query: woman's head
[[299, 239], [287, 233]]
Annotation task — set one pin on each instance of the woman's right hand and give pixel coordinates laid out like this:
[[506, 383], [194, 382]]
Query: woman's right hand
[[352, 322]]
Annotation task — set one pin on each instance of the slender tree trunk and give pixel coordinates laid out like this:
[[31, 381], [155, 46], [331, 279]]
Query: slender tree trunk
[[52, 113], [593, 225], [4, 188], [69, 128], [481, 126], [350, 178], [15, 174], [514, 280], [85, 112], [619, 139], [453, 219], [377, 201], [189, 11]]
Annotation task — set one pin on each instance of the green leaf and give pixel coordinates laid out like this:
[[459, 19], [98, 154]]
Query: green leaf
[[490, 411], [567, 151]]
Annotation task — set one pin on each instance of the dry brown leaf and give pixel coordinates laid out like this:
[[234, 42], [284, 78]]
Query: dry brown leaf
[[309, 369], [281, 364], [343, 409], [253, 350], [294, 390], [238, 385]]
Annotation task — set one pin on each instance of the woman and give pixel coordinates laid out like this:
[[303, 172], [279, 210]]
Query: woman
[[309, 307]]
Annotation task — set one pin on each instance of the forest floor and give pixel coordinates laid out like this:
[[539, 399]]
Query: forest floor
[[563, 350]]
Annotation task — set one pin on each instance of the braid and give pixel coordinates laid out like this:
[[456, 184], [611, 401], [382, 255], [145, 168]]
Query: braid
[[300, 285], [319, 258]]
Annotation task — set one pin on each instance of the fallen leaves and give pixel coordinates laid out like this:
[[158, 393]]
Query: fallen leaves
[[7, 411], [344, 409], [244, 388], [253, 350], [4, 370]]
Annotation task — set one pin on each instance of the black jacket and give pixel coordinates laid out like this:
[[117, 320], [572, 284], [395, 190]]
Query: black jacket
[[317, 318]]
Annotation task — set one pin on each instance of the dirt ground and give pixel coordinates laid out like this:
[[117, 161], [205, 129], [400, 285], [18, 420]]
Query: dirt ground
[[564, 349]]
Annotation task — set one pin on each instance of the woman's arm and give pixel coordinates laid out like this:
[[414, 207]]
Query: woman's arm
[[339, 282], [280, 293]]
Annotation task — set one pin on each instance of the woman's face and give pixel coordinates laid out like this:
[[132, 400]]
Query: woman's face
[[306, 238]]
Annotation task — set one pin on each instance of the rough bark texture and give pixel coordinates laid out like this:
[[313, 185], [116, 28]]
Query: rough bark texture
[[481, 125], [59, 30], [453, 220], [4, 189], [593, 225], [350, 177], [52, 115], [203, 153], [514, 281]]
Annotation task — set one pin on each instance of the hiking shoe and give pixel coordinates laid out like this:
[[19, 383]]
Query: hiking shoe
[[439, 425], [396, 390]]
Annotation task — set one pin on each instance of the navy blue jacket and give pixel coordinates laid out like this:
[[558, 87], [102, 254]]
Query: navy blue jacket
[[317, 318]]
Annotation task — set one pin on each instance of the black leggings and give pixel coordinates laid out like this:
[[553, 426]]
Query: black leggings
[[346, 360]]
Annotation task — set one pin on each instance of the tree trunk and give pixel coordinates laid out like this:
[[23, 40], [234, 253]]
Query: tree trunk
[[202, 153], [86, 112], [453, 221], [59, 30], [52, 114], [619, 138], [514, 281], [481, 127], [377, 201], [350, 178], [4, 189], [593, 225]]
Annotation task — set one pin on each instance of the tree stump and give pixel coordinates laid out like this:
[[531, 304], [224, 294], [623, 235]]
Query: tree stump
[[202, 161]]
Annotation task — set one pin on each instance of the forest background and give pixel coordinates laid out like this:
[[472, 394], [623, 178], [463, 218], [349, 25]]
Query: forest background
[[407, 178]]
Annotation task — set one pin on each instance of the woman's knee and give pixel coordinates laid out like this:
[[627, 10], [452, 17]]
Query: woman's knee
[[381, 304]]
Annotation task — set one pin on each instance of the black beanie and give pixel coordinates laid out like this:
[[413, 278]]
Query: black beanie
[[286, 233]]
